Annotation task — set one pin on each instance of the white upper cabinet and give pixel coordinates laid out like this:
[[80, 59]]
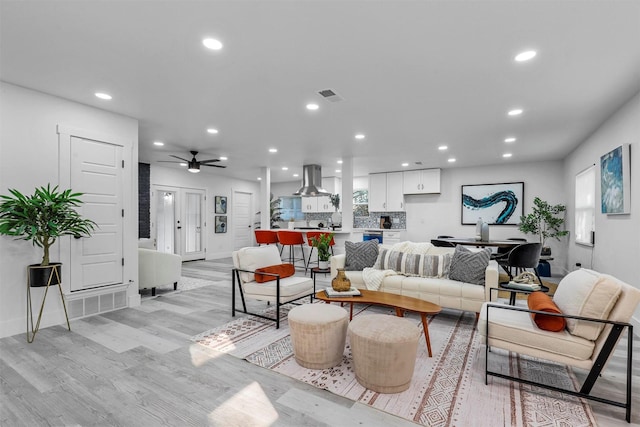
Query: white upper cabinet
[[425, 181], [323, 203], [385, 192]]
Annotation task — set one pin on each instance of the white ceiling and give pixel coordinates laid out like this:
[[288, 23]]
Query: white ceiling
[[413, 75]]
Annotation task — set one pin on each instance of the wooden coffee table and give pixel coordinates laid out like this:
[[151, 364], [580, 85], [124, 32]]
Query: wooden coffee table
[[400, 302]]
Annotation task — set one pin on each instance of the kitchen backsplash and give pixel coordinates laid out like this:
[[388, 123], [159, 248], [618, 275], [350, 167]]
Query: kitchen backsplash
[[371, 221]]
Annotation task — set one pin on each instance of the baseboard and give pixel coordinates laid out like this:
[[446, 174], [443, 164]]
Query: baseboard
[[218, 255]]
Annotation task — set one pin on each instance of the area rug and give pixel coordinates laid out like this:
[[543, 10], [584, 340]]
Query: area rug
[[446, 390]]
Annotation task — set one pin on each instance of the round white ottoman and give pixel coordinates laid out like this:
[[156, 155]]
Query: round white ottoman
[[318, 334], [384, 351]]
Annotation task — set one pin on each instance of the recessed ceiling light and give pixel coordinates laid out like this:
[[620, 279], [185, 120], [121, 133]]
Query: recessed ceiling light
[[338, 171], [404, 165], [451, 160], [339, 162], [259, 179], [103, 95], [212, 44], [510, 139], [212, 130], [525, 56], [442, 147], [312, 107], [359, 136], [295, 175], [506, 155], [273, 150], [223, 158], [515, 112], [284, 168], [183, 164], [158, 143]]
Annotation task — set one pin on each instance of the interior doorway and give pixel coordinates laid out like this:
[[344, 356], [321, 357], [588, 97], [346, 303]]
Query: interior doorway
[[242, 215], [178, 221]]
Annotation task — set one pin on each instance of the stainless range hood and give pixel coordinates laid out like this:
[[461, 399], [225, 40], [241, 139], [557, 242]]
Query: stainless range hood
[[311, 182]]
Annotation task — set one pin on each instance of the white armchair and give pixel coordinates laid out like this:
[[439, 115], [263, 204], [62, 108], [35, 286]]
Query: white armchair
[[279, 291], [158, 269]]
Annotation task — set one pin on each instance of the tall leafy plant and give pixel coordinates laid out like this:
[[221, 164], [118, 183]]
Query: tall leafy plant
[[544, 221], [43, 217]]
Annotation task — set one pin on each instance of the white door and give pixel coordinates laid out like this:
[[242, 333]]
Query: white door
[[241, 223], [178, 221], [192, 224], [96, 171]]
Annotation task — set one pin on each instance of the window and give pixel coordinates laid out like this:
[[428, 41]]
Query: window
[[361, 203], [291, 207], [585, 206]]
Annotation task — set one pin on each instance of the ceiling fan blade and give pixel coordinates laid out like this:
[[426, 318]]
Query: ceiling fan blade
[[213, 166], [209, 161], [180, 158]]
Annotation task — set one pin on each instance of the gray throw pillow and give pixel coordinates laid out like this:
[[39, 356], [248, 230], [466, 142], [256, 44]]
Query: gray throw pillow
[[360, 255], [469, 267]]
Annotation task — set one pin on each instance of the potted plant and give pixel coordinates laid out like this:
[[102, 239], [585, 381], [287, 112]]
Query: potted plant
[[322, 243], [42, 218], [545, 222]]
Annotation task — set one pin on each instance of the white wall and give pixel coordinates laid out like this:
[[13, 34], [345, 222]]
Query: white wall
[[617, 243], [218, 245], [29, 158]]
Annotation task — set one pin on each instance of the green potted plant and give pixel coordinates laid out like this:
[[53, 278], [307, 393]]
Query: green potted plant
[[322, 243], [42, 218], [545, 222]]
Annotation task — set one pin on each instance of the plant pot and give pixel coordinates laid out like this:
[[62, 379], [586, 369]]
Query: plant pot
[[40, 275], [323, 265], [546, 251]]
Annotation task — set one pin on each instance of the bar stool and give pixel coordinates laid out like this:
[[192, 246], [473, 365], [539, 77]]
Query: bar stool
[[291, 239], [266, 237], [316, 234]]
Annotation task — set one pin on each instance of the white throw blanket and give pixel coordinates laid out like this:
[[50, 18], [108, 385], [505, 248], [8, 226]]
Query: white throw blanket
[[373, 277]]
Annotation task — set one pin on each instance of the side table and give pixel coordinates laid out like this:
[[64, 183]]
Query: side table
[[314, 272], [513, 292]]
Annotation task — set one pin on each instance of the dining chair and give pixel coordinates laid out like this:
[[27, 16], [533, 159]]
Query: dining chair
[[292, 239]]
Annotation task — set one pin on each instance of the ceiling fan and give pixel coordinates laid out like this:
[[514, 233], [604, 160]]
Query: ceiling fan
[[194, 164]]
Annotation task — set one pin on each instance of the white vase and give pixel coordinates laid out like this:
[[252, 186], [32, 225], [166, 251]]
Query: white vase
[[336, 218]]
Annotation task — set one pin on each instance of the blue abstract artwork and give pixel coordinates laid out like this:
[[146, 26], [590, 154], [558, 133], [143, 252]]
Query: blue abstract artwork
[[496, 204], [614, 181]]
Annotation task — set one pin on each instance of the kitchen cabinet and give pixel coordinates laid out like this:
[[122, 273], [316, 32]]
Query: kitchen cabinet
[[385, 192], [424, 181], [392, 237]]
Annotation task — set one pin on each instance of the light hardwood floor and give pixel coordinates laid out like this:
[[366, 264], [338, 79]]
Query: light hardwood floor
[[137, 367]]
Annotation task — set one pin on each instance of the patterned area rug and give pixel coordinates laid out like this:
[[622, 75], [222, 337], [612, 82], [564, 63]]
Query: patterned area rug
[[447, 389]]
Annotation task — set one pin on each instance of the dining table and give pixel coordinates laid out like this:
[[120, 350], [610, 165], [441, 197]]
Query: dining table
[[477, 243]]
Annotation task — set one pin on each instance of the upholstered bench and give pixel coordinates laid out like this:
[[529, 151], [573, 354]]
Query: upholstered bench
[[384, 350], [318, 334]]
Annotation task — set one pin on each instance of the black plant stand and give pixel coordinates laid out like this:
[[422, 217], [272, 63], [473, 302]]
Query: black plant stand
[[30, 327]]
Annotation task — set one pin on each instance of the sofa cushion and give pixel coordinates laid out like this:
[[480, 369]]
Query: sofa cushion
[[290, 287], [414, 264], [468, 266], [540, 301], [589, 294], [360, 254], [282, 270], [412, 247]]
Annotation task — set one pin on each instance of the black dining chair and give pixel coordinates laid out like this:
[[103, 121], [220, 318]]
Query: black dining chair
[[442, 244], [526, 255], [502, 252]]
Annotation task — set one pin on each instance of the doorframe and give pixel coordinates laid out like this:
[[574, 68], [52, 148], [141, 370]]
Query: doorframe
[[129, 204], [231, 220]]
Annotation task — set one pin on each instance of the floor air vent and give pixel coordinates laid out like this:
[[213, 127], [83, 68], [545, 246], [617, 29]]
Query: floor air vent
[[96, 304]]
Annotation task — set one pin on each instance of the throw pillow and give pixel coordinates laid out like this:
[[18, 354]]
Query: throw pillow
[[414, 264], [283, 270], [468, 266], [589, 294], [360, 255], [540, 301]]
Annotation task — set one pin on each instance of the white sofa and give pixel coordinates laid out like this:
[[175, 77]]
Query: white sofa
[[157, 269], [444, 292]]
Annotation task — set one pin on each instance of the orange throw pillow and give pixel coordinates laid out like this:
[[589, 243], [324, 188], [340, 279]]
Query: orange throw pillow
[[283, 270], [542, 302]]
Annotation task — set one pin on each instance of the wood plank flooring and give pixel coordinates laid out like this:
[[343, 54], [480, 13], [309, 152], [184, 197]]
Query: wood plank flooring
[[137, 367]]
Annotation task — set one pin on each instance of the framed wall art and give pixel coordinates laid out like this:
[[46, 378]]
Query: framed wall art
[[615, 191], [221, 224], [496, 204], [221, 204]]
